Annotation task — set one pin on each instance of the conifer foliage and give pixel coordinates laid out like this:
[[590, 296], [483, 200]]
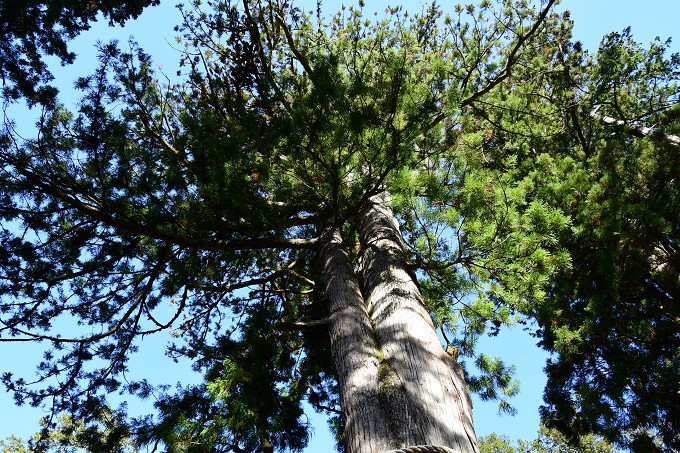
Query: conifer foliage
[[313, 204], [603, 151], [33, 29]]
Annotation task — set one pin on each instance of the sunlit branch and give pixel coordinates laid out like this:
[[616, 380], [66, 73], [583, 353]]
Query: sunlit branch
[[291, 43], [265, 62], [507, 71]]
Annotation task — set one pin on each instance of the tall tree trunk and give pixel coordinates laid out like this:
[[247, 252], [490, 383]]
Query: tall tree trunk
[[398, 387], [423, 387], [355, 353]]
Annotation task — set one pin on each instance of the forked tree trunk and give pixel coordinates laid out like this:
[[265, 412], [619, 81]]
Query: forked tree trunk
[[398, 387]]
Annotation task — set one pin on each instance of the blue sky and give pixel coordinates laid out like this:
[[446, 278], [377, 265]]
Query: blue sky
[[154, 32]]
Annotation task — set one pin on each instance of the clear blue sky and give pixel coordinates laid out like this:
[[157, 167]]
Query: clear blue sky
[[593, 18]]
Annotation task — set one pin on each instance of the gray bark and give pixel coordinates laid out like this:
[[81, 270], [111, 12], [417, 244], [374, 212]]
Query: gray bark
[[355, 352], [398, 387]]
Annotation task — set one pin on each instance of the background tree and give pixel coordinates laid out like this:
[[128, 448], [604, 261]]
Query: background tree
[[548, 441], [69, 435], [13, 444], [594, 137]]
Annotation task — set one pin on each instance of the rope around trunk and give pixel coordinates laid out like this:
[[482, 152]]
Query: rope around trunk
[[423, 449]]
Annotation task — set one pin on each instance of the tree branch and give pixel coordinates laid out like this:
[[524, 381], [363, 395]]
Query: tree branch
[[301, 325], [507, 71], [636, 131], [265, 62], [130, 226], [138, 305], [291, 43]]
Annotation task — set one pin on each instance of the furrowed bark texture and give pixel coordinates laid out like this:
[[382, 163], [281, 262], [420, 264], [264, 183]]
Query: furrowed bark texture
[[421, 389], [355, 353], [398, 388]]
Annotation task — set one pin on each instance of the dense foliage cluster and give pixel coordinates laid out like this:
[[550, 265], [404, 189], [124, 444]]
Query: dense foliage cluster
[[33, 29], [611, 316]]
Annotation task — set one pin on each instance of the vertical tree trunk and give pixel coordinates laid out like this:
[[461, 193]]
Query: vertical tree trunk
[[355, 353], [423, 387], [398, 387]]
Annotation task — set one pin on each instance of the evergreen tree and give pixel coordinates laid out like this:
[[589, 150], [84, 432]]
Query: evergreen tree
[[70, 435], [315, 202], [259, 198], [548, 441], [596, 137]]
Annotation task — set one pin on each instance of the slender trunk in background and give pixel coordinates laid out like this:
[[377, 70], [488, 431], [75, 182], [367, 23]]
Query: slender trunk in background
[[398, 387]]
